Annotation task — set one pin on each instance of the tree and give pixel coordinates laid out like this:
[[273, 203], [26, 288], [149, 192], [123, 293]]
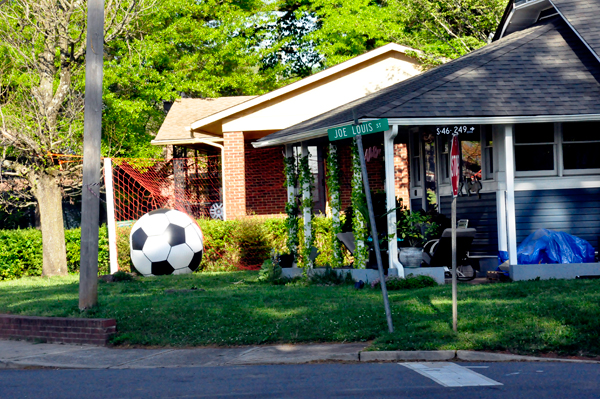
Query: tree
[[183, 48], [438, 28], [41, 109]]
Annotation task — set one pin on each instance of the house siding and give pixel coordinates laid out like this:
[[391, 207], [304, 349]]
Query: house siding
[[573, 211], [481, 214], [265, 192]]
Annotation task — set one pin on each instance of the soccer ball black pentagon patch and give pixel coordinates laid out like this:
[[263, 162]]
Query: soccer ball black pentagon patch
[[166, 241]]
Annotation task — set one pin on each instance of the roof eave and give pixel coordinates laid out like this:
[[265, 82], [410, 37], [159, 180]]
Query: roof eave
[[441, 121]]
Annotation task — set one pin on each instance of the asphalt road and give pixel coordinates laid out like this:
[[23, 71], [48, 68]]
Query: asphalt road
[[389, 380]]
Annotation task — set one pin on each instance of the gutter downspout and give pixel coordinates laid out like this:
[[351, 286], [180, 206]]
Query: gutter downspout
[[390, 195], [211, 143]]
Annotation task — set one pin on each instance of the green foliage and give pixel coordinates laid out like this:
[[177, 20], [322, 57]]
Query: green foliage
[[269, 272], [330, 277], [290, 170], [360, 215], [333, 189], [415, 227], [306, 182], [408, 283], [183, 48], [439, 29], [22, 254], [122, 276]]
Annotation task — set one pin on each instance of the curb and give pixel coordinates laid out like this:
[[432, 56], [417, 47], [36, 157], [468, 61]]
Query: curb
[[462, 355], [407, 356]]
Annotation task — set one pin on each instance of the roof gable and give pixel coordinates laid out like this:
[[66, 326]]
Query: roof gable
[[184, 111], [583, 17], [297, 88]]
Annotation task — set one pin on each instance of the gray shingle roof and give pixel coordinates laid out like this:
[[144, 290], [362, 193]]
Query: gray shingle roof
[[583, 16], [542, 70]]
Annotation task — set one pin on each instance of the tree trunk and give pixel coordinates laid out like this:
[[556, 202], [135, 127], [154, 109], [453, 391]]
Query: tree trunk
[[49, 197]]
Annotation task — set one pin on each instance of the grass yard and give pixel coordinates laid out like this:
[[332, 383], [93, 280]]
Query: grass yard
[[556, 316]]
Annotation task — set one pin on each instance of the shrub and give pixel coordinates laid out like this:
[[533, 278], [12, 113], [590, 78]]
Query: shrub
[[330, 277], [410, 282], [269, 272], [22, 253]]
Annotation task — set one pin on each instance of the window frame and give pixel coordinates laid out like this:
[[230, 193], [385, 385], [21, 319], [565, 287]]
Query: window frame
[[538, 173], [575, 172]]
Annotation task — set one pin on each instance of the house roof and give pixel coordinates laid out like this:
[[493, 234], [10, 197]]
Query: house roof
[[582, 16], [275, 94], [542, 70], [187, 110]]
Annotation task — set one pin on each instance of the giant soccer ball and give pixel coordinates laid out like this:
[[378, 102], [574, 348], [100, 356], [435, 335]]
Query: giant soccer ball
[[165, 241]]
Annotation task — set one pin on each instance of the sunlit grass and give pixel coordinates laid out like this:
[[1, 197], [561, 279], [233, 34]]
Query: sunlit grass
[[233, 309]]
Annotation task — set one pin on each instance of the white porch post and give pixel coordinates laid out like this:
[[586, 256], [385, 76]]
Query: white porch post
[[306, 212], [500, 177], [510, 194], [110, 216], [390, 195]]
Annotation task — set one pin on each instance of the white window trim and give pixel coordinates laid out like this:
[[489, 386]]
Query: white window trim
[[559, 170], [540, 173]]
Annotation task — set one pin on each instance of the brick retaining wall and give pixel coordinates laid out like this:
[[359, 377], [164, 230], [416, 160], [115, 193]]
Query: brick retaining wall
[[57, 329]]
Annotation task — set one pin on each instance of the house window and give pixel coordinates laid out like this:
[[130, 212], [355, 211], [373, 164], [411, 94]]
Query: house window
[[581, 147], [315, 163], [444, 145], [535, 152]]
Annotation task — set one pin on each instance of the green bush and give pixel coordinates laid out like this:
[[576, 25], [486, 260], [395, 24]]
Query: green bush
[[410, 282], [22, 254], [269, 272]]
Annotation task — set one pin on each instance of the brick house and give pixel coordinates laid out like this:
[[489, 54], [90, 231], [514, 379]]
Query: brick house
[[253, 178]]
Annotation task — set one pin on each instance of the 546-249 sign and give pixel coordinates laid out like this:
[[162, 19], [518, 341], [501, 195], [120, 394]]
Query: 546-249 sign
[[454, 130]]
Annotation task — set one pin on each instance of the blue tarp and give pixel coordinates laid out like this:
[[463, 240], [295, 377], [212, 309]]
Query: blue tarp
[[549, 246]]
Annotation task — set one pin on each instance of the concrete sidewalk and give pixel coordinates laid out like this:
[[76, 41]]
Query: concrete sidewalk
[[23, 354]]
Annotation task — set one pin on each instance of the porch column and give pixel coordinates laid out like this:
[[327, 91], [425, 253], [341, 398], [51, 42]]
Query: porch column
[[306, 212], [390, 196], [511, 223], [234, 178]]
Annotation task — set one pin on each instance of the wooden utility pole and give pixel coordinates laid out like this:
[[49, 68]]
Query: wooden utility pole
[[92, 132]]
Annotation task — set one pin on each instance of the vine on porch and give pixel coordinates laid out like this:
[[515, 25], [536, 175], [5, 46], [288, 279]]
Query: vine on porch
[[333, 186], [292, 221], [359, 206], [306, 182]]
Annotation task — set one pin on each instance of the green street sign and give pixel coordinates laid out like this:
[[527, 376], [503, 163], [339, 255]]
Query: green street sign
[[349, 131]]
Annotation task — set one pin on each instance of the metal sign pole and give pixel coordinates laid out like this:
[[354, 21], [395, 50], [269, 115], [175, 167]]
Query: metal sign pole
[[363, 166], [454, 172]]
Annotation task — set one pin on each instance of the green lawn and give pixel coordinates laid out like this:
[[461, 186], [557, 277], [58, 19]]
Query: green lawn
[[556, 316]]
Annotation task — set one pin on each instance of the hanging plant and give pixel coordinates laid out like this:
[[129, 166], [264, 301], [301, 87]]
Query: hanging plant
[[291, 207], [333, 186], [305, 181], [359, 204]]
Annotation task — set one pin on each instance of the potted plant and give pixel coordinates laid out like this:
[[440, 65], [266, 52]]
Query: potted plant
[[413, 228]]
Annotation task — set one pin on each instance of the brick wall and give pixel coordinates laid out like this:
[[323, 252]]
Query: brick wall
[[57, 329], [401, 172], [265, 190], [234, 183]]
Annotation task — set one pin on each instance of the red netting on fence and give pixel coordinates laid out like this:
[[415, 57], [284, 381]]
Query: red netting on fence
[[191, 185]]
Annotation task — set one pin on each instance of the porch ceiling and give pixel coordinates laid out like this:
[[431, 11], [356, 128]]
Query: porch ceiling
[[541, 72]]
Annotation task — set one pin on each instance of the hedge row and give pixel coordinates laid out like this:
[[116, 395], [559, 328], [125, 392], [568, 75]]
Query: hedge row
[[21, 253], [229, 245]]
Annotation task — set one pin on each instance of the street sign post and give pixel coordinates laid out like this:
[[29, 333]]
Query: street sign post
[[349, 131], [454, 178], [357, 131]]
